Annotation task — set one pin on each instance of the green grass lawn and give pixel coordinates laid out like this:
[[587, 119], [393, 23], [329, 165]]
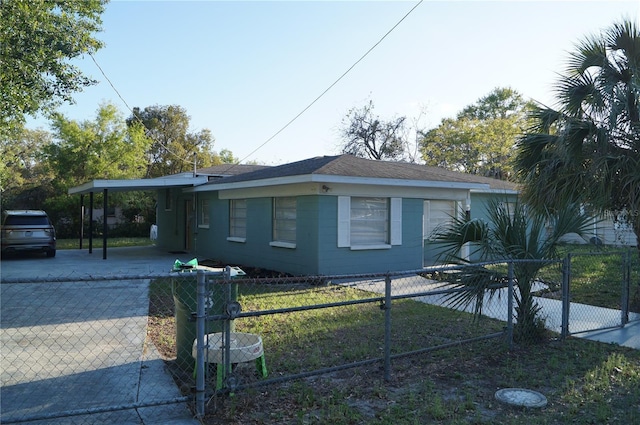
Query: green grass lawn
[[111, 242], [596, 275], [585, 382]]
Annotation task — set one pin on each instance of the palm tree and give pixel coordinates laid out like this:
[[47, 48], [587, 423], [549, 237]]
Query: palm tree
[[588, 150], [512, 232]]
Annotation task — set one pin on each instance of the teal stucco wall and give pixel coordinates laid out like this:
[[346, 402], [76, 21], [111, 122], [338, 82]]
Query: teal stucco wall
[[334, 260], [255, 251], [316, 251], [480, 210]]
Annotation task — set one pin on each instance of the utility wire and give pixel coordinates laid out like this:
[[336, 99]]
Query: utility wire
[[292, 120], [133, 114], [313, 102]]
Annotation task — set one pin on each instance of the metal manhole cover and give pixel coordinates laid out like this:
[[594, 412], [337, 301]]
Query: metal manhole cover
[[521, 397]]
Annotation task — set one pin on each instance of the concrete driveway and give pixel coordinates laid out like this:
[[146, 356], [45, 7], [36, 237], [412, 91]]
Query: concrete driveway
[[132, 261], [80, 346]]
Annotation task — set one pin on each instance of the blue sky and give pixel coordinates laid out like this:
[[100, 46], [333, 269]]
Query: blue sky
[[245, 69]]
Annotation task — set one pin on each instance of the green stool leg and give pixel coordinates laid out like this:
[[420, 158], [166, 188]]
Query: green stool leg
[[220, 375], [261, 365]]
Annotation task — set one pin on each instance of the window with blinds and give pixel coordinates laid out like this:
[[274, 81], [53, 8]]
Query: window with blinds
[[369, 222], [284, 219], [238, 218]]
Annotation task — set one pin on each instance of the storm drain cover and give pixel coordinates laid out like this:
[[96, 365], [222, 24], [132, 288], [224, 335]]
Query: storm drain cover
[[521, 397]]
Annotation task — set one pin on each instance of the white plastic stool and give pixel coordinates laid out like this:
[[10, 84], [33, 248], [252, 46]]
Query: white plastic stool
[[243, 347]]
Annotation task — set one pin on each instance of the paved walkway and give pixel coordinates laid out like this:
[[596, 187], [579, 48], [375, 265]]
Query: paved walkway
[[77, 346], [583, 318]]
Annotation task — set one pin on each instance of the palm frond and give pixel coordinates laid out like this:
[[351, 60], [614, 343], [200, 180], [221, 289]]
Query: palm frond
[[588, 53], [625, 36], [459, 231], [570, 219], [579, 94], [476, 282]]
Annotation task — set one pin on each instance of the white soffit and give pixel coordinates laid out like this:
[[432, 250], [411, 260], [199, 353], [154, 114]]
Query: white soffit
[[137, 184]]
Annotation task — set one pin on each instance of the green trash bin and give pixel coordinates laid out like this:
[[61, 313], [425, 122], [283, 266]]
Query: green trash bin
[[185, 290]]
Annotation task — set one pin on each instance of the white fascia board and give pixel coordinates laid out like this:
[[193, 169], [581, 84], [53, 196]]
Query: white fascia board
[[496, 191], [182, 181], [137, 184], [322, 178], [403, 183], [176, 176], [277, 181]]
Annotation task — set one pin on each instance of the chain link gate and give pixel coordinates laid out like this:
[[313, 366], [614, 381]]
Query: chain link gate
[[591, 315], [78, 352]]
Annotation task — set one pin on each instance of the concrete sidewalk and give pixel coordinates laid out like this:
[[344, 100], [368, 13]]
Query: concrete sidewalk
[[585, 321], [78, 346]]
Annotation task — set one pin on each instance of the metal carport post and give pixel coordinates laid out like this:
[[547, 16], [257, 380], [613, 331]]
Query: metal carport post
[[104, 224], [178, 181]]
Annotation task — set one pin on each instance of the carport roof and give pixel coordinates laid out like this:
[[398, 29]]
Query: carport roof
[[138, 184], [187, 179]]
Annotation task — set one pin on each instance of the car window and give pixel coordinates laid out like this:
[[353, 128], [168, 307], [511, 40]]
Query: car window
[[22, 220]]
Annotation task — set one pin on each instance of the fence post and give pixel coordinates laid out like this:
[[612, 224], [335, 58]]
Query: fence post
[[200, 325], [510, 307], [226, 337], [387, 328], [566, 303], [626, 287]]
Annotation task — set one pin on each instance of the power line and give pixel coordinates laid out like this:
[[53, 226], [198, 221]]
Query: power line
[[291, 121], [132, 113], [332, 84], [109, 81]]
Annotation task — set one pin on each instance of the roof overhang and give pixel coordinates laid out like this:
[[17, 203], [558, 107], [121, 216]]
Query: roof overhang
[[138, 184], [496, 191], [323, 178]]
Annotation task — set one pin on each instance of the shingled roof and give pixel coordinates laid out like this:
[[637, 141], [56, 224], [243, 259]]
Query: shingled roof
[[224, 170], [352, 166]]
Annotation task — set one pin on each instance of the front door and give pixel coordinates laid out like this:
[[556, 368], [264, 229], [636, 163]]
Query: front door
[[189, 217]]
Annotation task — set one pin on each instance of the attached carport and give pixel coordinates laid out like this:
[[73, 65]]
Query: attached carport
[[105, 186]]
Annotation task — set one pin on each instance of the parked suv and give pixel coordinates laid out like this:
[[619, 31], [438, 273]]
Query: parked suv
[[27, 230]]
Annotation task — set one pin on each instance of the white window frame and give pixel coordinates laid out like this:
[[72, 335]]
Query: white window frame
[[394, 223], [431, 223], [203, 217], [285, 214], [510, 207], [237, 224]]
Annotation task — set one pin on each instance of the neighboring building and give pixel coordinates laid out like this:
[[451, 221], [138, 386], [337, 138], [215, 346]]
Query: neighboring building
[[325, 215], [608, 229], [114, 216]]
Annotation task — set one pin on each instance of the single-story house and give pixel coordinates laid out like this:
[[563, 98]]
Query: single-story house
[[325, 215]]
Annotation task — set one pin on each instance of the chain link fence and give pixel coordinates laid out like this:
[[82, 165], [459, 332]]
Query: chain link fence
[[600, 291], [257, 332], [77, 352], [210, 332]]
